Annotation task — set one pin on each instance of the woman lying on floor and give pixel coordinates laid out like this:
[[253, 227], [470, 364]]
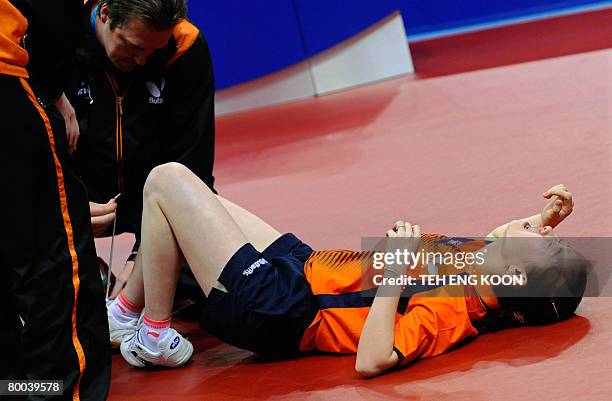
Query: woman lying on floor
[[273, 295]]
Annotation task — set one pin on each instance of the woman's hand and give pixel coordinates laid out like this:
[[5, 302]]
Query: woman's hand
[[560, 206], [405, 236]]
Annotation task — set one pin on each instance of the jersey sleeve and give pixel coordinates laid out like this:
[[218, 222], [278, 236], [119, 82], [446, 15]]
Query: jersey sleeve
[[430, 327]]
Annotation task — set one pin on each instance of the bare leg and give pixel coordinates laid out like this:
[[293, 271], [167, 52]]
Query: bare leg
[[162, 256], [259, 233], [180, 211], [134, 288], [163, 286]]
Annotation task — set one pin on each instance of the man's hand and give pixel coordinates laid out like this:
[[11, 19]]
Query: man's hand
[[101, 216], [560, 206], [72, 126]]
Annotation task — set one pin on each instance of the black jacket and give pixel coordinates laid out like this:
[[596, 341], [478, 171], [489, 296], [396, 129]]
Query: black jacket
[[162, 112], [53, 29]]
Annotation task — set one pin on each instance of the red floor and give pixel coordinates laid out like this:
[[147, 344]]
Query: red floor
[[458, 154], [518, 43]]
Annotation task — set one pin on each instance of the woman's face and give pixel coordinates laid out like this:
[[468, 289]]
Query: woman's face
[[524, 242], [523, 229]]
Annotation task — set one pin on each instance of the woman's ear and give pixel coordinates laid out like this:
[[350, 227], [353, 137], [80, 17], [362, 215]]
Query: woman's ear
[[518, 271]]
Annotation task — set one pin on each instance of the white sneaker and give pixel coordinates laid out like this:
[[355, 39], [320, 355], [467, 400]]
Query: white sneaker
[[120, 332], [174, 351]]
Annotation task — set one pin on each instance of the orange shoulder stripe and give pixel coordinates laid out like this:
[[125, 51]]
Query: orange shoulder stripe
[[185, 34]]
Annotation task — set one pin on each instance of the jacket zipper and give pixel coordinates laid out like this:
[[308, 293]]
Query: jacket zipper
[[118, 131]]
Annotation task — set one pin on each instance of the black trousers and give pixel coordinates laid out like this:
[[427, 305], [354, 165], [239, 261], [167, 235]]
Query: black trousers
[[49, 276]]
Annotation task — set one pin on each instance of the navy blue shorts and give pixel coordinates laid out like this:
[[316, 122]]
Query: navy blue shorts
[[269, 303]]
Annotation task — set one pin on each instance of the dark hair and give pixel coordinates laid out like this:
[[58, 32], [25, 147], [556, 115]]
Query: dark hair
[[553, 292], [157, 14]]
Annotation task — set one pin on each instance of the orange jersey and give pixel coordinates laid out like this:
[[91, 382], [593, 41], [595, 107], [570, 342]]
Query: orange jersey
[[13, 57], [427, 324]]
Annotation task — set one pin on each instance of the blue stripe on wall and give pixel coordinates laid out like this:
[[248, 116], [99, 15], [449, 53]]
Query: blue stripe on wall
[[509, 21], [251, 39], [428, 16]]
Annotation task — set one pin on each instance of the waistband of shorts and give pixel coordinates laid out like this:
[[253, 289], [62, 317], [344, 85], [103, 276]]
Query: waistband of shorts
[[282, 246]]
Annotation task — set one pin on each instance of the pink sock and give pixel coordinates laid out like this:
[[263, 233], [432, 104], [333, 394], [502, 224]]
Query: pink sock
[[124, 310], [152, 331]]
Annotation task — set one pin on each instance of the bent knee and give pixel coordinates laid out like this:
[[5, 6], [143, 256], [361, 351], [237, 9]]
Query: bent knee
[[165, 177]]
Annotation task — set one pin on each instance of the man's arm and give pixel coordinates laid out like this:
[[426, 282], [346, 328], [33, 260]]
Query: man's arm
[[189, 136], [560, 206]]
